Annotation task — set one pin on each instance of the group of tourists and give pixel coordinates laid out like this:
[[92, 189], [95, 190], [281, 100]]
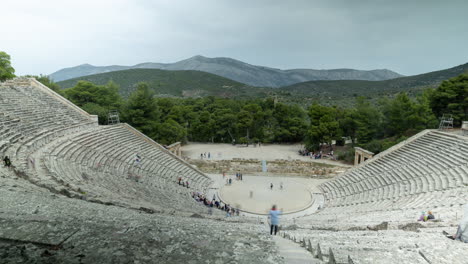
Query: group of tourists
[[230, 211], [7, 162], [318, 154], [425, 217], [239, 177], [204, 155], [182, 182]]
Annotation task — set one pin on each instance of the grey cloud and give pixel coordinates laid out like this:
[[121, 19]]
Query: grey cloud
[[406, 36]]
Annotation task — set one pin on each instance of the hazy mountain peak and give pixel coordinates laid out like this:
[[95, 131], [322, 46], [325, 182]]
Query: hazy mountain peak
[[84, 65], [198, 57]]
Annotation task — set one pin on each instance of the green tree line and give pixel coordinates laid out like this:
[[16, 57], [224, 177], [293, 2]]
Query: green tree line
[[375, 126]]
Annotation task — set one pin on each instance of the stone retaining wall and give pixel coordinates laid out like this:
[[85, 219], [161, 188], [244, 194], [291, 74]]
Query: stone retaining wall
[[249, 166]]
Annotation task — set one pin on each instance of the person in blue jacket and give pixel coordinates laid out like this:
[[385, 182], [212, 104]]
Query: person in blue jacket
[[274, 219]]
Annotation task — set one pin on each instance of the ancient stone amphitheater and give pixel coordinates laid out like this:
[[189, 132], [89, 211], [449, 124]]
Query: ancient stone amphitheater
[[76, 194]]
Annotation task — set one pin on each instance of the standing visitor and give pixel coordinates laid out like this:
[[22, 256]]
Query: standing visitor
[[274, 219], [271, 186]]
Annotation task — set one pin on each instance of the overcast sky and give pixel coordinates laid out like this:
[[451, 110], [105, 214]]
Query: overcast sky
[[409, 38]]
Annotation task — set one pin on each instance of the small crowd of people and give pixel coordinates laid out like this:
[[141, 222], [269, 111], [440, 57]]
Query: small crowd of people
[[239, 177], [7, 162], [230, 211], [182, 182], [317, 155], [426, 217], [204, 155]]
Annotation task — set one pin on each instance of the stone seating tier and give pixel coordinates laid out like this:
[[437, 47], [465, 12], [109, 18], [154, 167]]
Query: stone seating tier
[[386, 246], [100, 163], [405, 171], [58, 146]]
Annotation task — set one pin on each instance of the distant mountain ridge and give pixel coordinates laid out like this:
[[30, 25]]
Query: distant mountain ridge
[[385, 87], [239, 71]]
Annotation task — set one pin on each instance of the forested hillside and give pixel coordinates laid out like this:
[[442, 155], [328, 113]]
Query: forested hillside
[[172, 83]]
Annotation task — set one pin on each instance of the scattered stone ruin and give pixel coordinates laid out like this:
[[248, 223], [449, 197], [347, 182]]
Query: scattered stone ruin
[[175, 148], [361, 155]]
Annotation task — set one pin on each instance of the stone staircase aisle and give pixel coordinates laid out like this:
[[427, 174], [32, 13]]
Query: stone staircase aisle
[[292, 253]]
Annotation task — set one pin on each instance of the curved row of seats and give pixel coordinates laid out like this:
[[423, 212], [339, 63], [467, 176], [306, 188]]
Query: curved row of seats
[[433, 162], [28, 114], [61, 147], [103, 163], [428, 172]]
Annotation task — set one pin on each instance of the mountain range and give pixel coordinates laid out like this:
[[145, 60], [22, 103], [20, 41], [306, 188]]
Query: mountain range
[[385, 87], [239, 71], [189, 83]]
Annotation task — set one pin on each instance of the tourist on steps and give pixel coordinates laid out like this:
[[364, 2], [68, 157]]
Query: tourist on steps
[[274, 219], [423, 217], [462, 230], [7, 161], [430, 216]]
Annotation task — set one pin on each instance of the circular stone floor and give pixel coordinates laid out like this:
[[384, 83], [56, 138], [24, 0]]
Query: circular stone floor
[[294, 196]]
